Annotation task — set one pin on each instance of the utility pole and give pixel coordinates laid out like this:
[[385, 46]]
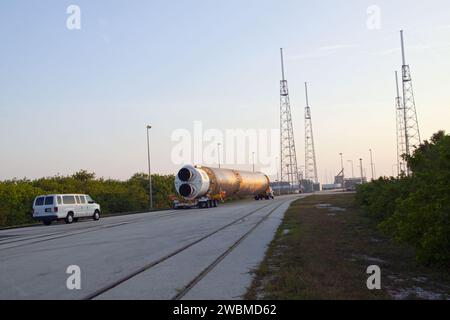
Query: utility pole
[[149, 168], [288, 156]]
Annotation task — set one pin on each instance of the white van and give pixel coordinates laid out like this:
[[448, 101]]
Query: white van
[[69, 207]]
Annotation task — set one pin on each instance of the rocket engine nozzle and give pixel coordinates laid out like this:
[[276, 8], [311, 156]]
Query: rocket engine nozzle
[[185, 190], [191, 182], [185, 174]]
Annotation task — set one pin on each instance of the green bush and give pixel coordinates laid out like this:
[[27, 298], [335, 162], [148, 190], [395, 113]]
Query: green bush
[[114, 196], [416, 210], [16, 198], [379, 198]]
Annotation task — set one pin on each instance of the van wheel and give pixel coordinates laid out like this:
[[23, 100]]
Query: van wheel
[[96, 215], [69, 218], [47, 222]]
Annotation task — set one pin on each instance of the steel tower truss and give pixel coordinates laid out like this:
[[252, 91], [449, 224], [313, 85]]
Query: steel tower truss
[[288, 159], [401, 143], [411, 125], [310, 153]]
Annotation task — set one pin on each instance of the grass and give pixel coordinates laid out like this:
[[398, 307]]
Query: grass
[[323, 253]]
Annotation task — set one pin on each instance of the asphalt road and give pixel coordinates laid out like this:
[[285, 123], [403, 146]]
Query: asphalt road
[[182, 254]]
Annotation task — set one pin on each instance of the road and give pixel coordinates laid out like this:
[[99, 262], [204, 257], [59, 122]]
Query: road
[[174, 254]]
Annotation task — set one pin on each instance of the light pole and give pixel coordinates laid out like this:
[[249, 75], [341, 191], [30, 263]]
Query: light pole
[[398, 170], [393, 171], [149, 168], [371, 163], [253, 159], [218, 152], [342, 168], [361, 168], [353, 173], [278, 176]]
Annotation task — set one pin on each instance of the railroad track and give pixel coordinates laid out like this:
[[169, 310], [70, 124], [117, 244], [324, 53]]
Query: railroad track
[[210, 267]]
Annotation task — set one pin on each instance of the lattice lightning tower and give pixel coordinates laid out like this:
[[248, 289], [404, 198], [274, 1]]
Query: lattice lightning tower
[[401, 144], [411, 125], [310, 153], [288, 158]]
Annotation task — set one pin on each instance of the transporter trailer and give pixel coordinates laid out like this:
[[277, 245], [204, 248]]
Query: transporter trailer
[[205, 187]]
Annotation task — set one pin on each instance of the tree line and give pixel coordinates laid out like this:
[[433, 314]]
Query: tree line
[[415, 209], [114, 196]]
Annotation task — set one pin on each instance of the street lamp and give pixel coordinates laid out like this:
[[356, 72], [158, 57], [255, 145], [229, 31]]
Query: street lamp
[[218, 152], [361, 168], [393, 166], [353, 173], [371, 163], [398, 170], [253, 159], [342, 168], [278, 176], [149, 168]]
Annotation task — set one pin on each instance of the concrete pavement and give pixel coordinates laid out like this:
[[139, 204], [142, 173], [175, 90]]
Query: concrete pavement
[[143, 256]]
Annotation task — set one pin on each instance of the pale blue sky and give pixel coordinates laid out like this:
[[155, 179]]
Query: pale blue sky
[[81, 99]]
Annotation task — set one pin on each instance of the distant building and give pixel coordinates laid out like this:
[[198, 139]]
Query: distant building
[[309, 186], [338, 180], [283, 187], [349, 183], [331, 186]]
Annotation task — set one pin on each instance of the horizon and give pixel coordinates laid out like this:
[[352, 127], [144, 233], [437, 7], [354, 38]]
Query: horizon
[[81, 99]]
